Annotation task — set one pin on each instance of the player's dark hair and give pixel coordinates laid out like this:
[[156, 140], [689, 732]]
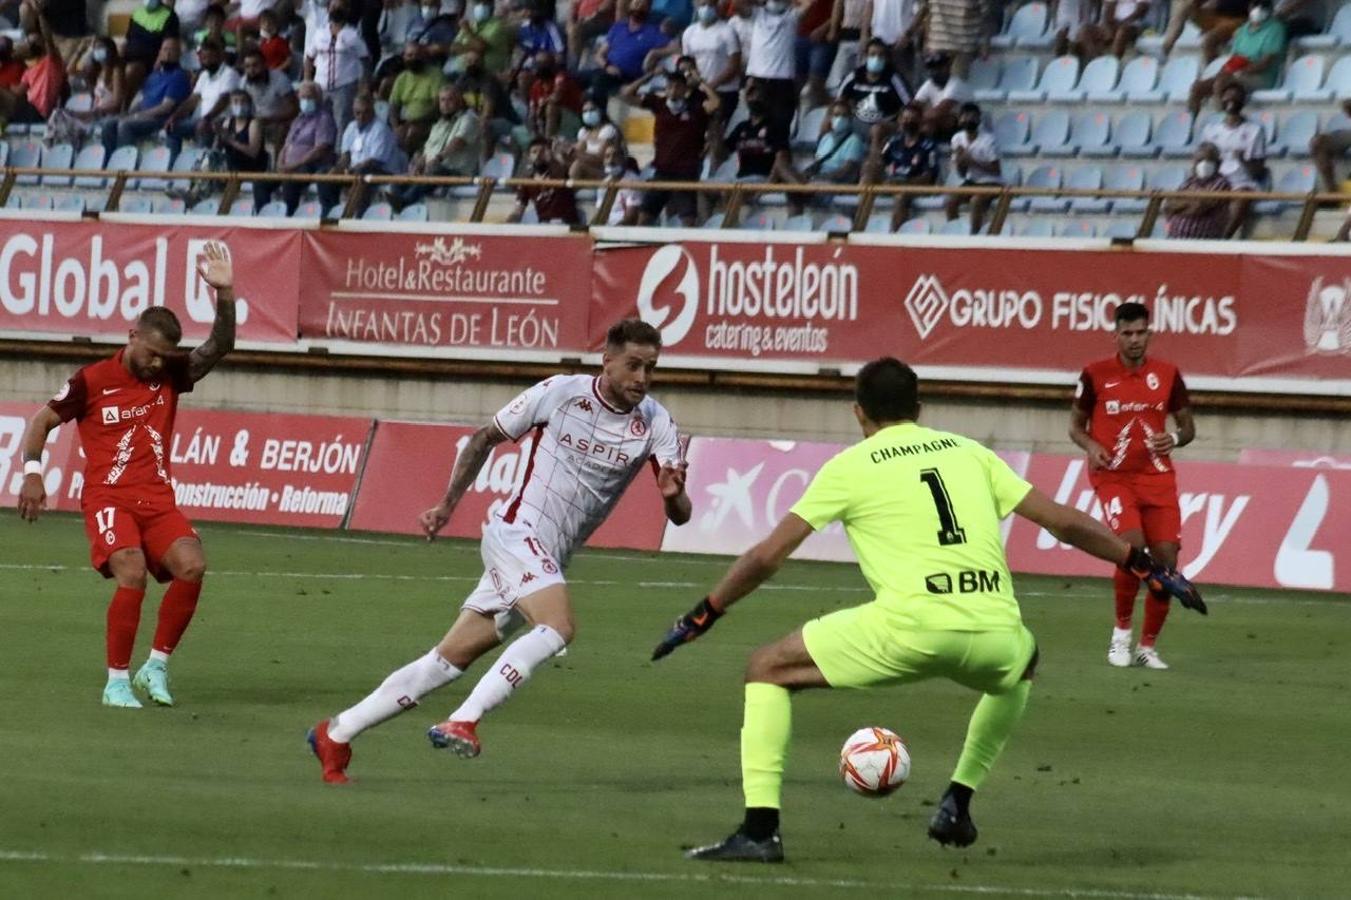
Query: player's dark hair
[[632, 331], [1131, 312], [887, 390], [163, 320]]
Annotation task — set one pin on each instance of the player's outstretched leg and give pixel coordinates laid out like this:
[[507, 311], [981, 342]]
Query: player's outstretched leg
[[187, 564], [991, 725], [124, 615]]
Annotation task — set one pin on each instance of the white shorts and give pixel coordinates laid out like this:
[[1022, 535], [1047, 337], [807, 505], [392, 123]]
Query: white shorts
[[515, 565]]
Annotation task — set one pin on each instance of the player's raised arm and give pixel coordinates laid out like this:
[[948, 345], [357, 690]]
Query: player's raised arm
[[215, 269], [1088, 534], [752, 569], [33, 493], [467, 467]]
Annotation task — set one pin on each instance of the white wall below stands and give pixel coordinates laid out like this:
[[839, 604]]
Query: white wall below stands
[[1009, 425]]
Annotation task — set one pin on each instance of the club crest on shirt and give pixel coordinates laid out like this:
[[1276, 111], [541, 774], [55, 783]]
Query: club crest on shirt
[[637, 427], [63, 393], [1153, 381]]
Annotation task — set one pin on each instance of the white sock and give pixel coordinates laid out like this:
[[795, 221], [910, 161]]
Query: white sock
[[121, 674], [159, 656], [511, 670], [1121, 634], [400, 691]]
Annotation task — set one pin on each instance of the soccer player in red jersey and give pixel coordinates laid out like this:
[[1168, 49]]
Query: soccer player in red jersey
[[124, 408], [1120, 419]]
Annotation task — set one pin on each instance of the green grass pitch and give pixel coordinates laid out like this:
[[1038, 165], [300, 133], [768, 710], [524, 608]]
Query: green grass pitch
[[1226, 776]]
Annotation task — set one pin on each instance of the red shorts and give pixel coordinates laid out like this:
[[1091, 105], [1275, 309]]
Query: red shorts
[[1145, 503], [151, 525]]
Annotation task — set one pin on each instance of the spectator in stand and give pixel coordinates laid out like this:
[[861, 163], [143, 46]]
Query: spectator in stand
[[742, 21], [337, 59], [67, 22], [1217, 19], [673, 16], [711, 42], [959, 27], [838, 158], [1118, 30], [274, 46], [1201, 218], [485, 34], [539, 33], [628, 205], [910, 158], [191, 14], [815, 49], [40, 87], [771, 60], [877, 94], [941, 96], [414, 99], [274, 102], [165, 88], [1243, 152], [240, 135], [486, 96], [151, 24], [557, 204], [1330, 146], [247, 14], [588, 20], [845, 30], [680, 133], [102, 74], [594, 139], [555, 105], [452, 148], [1071, 20], [196, 116], [367, 147], [213, 29], [11, 69], [626, 47], [759, 142], [1257, 56], [976, 159], [438, 29], [899, 24], [308, 148]]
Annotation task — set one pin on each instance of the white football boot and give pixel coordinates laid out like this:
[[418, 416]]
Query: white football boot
[[1149, 658], [1119, 650]]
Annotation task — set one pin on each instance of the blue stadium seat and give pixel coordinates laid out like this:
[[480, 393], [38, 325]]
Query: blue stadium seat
[[276, 209], [1090, 133], [1077, 228], [41, 201], [169, 206], [803, 222], [713, 221], [123, 159], [208, 207], [1119, 178], [89, 158], [1152, 44], [156, 159], [1137, 80], [1168, 178], [26, 155], [1174, 134], [1099, 78], [878, 223], [417, 212], [837, 224], [4, 152], [308, 210], [1299, 180], [1059, 77], [914, 226], [69, 203], [1017, 75], [959, 227], [1011, 172], [1052, 129], [1295, 132], [1339, 79], [1215, 65], [1303, 83], [1040, 177], [1027, 28], [984, 74], [1088, 178], [759, 221], [133, 204], [809, 127], [1035, 228], [1123, 229], [1011, 129], [378, 212], [335, 212], [80, 102], [1132, 136], [1175, 82], [726, 170], [499, 166], [1337, 35], [58, 156], [241, 208]]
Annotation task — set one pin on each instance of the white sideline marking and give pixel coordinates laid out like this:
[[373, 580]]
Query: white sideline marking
[[233, 862]]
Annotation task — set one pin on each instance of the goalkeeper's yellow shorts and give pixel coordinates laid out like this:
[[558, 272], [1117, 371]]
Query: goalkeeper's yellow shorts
[[862, 647]]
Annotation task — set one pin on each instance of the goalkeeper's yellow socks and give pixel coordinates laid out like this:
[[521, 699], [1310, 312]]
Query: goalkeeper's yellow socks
[[993, 721], [765, 731]]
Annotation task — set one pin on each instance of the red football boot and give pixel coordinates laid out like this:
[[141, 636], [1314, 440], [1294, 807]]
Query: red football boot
[[333, 756], [457, 737]]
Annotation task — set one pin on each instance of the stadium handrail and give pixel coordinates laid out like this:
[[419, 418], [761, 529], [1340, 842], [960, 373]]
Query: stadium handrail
[[735, 193]]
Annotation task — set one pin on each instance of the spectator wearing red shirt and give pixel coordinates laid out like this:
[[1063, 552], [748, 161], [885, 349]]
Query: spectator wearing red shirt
[[40, 86], [555, 99], [276, 49], [553, 203], [680, 134], [589, 20], [11, 69]]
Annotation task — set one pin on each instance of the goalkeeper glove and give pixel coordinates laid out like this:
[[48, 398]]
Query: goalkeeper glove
[[688, 627], [1163, 579]]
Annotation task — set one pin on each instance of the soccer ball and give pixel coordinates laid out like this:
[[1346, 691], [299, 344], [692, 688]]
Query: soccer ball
[[874, 762]]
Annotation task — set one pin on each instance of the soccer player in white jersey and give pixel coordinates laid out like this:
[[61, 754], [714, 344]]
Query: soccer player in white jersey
[[593, 434]]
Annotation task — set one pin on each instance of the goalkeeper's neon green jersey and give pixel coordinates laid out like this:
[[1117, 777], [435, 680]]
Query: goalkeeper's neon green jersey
[[922, 509]]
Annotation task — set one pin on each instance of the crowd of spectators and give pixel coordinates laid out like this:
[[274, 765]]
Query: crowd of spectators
[[438, 87]]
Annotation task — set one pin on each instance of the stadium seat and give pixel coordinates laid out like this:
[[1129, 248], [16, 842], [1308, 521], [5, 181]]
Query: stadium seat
[[208, 207], [1077, 228], [58, 156], [1088, 178], [1123, 229], [837, 225], [80, 102], [26, 155], [1040, 177], [1294, 134], [1027, 28], [713, 221], [123, 159], [803, 222], [1035, 228], [959, 227], [1052, 129], [276, 209], [499, 166], [335, 212], [1267, 119], [41, 201], [169, 206], [1168, 178], [1059, 77], [308, 210], [1017, 75], [725, 172], [378, 212], [1099, 78], [809, 127], [1299, 180], [1174, 134], [241, 208], [1137, 80], [1339, 79], [133, 204], [1090, 133], [1152, 44], [1119, 178], [89, 159], [382, 110], [878, 223], [915, 226], [1132, 136], [758, 221], [1303, 83], [156, 159], [1337, 35], [1010, 171], [984, 74], [69, 203], [1010, 129], [4, 153], [417, 212], [1214, 66], [1175, 82]]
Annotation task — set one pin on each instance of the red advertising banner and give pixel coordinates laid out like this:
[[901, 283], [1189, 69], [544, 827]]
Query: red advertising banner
[[1300, 458], [469, 291], [92, 278], [62, 461], [983, 314], [410, 465]]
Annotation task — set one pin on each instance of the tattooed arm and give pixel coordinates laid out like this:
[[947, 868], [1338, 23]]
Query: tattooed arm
[[215, 269], [467, 467]]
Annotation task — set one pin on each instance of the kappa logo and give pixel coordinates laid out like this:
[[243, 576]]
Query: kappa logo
[[671, 263], [111, 415], [585, 405], [927, 302], [1327, 317], [527, 578]]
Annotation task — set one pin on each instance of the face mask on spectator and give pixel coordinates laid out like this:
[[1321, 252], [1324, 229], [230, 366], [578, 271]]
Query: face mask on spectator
[[482, 12], [590, 117], [676, 106], [1205, 169], [239, 110], [100, 55], [1258, 14], [876, 64], [308, 105], [152, 4], [776, 7], [839, 124], [708, 14]]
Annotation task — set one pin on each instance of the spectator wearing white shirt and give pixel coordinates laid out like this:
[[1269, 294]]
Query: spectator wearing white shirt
[[976, 159], [847, 18], [896, 23], [196, 116], [1243, 152], [368, 147], [1071, 20], [594, 140], [1118, 30], [942, 96], [771, 61], [337, 59], [628, 201], [717, 52], [742, 21]]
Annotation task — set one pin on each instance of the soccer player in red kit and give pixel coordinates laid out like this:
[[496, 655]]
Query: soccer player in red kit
[[1120, 419], [124, 408]]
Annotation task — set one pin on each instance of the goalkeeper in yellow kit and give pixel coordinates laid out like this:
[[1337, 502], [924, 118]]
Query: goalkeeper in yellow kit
[[922, 509]]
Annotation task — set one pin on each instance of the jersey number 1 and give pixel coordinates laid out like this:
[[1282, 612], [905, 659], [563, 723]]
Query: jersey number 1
[[951, 533]]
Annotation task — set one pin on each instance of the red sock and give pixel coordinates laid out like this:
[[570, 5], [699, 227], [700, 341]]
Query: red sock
[[175, 612], [1156, 610], [1125, 586], [124, 614]]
